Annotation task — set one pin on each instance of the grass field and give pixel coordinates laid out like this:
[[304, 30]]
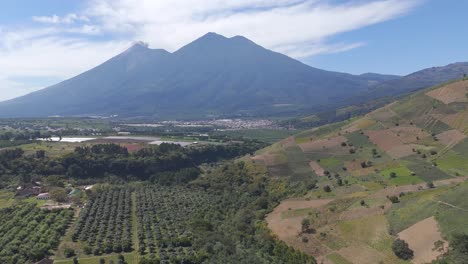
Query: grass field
[[453, 219], [338, 259], [413, 208], [6, 199], [453, 163]]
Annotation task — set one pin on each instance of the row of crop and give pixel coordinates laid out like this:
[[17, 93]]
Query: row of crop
[[28, 234], [105, 223], [163, 215]]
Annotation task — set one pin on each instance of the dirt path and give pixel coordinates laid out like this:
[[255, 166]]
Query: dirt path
[[136, 244], [451, 205]]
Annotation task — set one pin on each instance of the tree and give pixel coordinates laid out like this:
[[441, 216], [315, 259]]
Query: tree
[[339, 182], [102, 261], [402, 250], [327, 188], [75, 260], [59, 195], [392, 174], [394, 199]]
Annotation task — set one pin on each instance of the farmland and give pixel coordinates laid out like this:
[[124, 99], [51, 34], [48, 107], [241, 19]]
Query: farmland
[[384, 173], [29, 233]]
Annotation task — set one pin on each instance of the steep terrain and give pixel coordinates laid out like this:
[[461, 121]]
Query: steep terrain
[[213, 75], [415, 149]]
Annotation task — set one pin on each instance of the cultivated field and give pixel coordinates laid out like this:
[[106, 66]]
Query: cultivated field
[[414, 151]]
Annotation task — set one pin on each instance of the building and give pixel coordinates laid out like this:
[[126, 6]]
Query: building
[[28, 191], [43, 196]]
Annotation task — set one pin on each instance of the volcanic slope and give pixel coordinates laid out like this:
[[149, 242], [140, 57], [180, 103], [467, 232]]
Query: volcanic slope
[[413, 151]]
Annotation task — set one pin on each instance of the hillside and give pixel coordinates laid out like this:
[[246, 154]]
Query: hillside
[[213, 75], [414, 149]]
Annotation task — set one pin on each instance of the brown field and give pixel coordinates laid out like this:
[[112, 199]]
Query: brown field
[[317, 168], [133, 147], [408, 134], [451, 137], [455, 92], [394, 140], [401, 151], [323, 144], [458, 121], [290, 227], [421, 238], [288, 142], [384, 139]]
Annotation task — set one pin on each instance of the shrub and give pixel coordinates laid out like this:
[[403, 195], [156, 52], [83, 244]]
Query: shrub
[[327, 188], [68, 252], [394, 199], [402, 250]]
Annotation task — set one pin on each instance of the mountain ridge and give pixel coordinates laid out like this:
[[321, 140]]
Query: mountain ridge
[[212, 75]]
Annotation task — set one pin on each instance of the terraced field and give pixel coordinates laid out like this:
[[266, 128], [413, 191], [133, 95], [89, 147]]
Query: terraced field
[[415, 149]]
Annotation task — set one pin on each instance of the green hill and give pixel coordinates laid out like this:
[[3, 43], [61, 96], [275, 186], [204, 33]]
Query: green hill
[[415, 149]]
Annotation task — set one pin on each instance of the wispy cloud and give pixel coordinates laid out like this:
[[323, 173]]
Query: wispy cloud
[[63, 46], [54, 19]]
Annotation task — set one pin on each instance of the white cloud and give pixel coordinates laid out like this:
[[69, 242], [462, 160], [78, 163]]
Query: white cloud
[[170, 24], [63, 46], [54, 19]]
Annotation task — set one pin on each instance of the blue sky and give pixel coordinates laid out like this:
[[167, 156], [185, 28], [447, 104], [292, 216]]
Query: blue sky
[[44, 42], [433, 34]]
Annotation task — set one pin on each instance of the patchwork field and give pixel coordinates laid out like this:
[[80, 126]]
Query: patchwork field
[[394, 172]]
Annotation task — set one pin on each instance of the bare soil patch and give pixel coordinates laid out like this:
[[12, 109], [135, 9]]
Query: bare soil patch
[[394, 141], [317, 168], [451, 137], [421, 238], [323, 144], [409, 134], [288, 142], [401, 151], [290, 227], [455, 92]]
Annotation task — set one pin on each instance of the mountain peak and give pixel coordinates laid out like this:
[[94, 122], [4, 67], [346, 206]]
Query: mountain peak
[[212, 36], [138, 46]]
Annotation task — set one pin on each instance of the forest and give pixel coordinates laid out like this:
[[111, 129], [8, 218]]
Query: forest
[[166, 164]]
